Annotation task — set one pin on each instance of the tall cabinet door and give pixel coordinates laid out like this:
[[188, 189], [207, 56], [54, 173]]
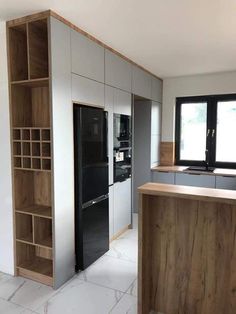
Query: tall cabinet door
[[122, 205]]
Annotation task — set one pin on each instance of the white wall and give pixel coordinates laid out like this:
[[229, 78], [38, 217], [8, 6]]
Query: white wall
[[6, 215], [212, 84]]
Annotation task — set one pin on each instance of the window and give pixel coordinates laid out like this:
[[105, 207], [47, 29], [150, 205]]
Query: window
[[206, 131]]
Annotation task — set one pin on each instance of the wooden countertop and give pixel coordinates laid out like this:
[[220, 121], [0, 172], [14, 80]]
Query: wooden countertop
[[216, 172], [189, 192]]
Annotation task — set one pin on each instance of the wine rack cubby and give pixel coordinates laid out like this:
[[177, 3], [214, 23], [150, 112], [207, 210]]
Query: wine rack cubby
[[32, 149]]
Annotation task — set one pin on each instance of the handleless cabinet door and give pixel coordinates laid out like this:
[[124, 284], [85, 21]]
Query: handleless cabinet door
[[109, 104], [163, 177], [118, 72], [111, 211], [122, 205], [87, 91], [87, 57], [122, 102], [226, 182], [156, 89], [141, 82], [200, 180]]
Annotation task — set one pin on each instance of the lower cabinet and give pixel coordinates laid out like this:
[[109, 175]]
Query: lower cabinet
[[226, 182], [122, 205], [200, 180], [163, 177]]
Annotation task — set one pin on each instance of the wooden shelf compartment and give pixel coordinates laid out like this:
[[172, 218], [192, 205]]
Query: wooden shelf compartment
[[43, 231], [32, 188], [24, 227], [36, 210], [38, 48], [34, 262], [18, 52], [30, 106]]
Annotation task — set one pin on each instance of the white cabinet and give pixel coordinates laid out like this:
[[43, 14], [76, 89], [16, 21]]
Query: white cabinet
[[200, 180], [122, 205], [109, 104], [122, 102], [226, 182], [141, 82], [87, 91], [111, 211], [118, 72], [163, 177], [156, 89], [87, 57]]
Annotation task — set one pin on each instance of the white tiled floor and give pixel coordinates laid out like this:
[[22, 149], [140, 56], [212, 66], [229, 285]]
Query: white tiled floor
[[107, 286]]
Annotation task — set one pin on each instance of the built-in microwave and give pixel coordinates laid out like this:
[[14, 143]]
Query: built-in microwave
[[122, 127]]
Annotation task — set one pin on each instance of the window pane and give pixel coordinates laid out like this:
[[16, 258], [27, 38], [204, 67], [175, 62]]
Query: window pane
[[193, 131], [226, 131]]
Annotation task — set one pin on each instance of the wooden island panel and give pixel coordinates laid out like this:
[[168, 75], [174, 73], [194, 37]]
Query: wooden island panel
[[187, 254]]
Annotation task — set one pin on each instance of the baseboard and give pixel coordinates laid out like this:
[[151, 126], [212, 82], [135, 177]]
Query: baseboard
[[118, 234]]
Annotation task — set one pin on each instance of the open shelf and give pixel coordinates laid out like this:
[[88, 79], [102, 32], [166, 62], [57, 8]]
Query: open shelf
[[30, 263], [38, 48], [43, 231], [37, 210], [24, 228], [30, 106], [18, 53], [32, 187]]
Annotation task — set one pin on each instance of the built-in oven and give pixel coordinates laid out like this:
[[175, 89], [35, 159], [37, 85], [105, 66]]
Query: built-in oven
[[122, 147]]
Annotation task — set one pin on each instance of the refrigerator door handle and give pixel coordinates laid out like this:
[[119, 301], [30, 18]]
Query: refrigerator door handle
[[95, 201]]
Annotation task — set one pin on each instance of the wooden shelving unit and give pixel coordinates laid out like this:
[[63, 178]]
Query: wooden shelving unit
[[30, 110]]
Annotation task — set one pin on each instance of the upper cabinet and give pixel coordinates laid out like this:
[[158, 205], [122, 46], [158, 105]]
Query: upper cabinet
[[122, 102], [87, 57], [87, 91], [156, 89], [141, 83], [118, 72]]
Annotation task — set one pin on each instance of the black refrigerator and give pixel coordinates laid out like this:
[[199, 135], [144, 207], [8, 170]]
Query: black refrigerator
[[91, 185]]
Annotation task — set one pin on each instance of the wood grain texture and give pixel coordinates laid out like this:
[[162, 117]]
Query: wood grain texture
[[192, 252], [189, 192], [167, 153]]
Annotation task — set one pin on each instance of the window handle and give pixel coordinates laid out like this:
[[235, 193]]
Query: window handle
[[208, 132], [213, 133]]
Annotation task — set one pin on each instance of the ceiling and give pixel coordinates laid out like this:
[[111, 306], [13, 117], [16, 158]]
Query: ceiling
[[167, 37]]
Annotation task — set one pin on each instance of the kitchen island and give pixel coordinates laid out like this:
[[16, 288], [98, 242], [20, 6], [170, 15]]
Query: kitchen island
[[187, 250]]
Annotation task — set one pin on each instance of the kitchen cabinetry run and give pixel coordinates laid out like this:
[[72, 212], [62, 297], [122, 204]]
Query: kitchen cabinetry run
[[122, 205]]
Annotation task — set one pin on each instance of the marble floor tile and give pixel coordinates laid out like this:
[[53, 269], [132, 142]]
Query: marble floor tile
[[133, 289], [7, 307], [126, 305], [32, 294], [9, 285], [124, 248], [80, 297], [112, 272]]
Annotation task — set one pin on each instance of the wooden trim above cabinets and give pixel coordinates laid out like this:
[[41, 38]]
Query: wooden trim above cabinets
[[167, 154], [48, 13]]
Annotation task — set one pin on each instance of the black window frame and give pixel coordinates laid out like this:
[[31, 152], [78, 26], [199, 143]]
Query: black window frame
[[211, 101]]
